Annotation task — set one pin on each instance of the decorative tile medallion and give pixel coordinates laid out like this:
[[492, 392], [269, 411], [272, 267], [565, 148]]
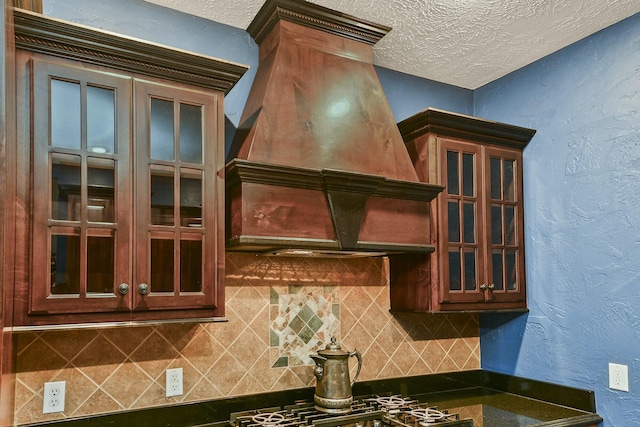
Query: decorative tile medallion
[[304, 318]]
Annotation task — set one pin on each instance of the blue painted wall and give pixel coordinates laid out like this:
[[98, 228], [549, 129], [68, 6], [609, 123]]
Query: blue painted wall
[[582, 171], [582, 218], [408, 94]]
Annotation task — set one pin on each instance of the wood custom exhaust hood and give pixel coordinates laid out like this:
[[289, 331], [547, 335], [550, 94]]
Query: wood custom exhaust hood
[[319, 167]]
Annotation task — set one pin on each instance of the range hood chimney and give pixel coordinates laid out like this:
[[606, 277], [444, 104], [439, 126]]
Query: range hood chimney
[[319, 166]]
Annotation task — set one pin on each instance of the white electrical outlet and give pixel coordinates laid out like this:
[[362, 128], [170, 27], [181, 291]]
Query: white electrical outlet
[[174, 382], [618, 377], [54, 397]]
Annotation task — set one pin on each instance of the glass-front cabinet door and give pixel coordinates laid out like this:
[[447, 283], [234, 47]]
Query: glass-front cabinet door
[[81, 190], [460, 238], [175, 197], [505, 245]]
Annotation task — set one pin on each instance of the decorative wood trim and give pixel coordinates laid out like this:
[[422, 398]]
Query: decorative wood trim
[[8, 347], [271, 244], [37, 33], [395, 248], [314, 16], [455, 125], [347, 194], [321, 179], [32, 5], [407, 190], [320, 248], [239, 170]]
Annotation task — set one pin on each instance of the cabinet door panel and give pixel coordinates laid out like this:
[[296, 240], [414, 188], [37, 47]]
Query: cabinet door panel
[[506, 246], [177, 236], [459, 231], [80, 245]]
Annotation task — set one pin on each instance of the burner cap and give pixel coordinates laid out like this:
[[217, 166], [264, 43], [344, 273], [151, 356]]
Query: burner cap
[[391, 402], [268, 419], [427, 415]]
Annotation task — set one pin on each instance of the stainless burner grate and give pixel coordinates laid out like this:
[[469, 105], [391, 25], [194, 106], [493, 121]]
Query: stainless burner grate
[[371, 411]]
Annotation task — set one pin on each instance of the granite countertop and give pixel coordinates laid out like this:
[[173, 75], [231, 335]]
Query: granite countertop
[[498, 400], [491, 399], [493, 408]]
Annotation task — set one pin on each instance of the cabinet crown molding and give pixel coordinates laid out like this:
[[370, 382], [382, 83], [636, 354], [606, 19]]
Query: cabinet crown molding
[[314, 16], [38, 33], [446, 123]]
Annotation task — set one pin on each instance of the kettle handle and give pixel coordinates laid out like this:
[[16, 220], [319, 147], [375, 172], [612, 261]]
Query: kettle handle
[[358, 356], [318, 371]]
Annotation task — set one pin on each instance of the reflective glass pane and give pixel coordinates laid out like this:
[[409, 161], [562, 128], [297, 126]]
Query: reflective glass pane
[[496, 179], [455, 275], [509, 181], [498, 270], [469, 218], [65, 114], [100, 192], [190, 265], [101, 120], [162, 128], [191, 199], [496, 224], [65, 264], [162, 200], [65, 187], [453, 179], [510, 225], [190, 133], [454, 222], [468, 175], [100, 264], [470, 270], [161, 265], [510, 260]]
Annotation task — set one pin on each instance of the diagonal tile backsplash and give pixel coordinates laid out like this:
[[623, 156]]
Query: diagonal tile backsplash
[[279, 311]]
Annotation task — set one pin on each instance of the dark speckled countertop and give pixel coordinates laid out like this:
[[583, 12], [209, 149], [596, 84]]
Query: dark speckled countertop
[[491, 399], [494, 408]]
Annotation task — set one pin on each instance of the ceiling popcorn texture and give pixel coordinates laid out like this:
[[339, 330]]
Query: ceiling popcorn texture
[[466, 43]]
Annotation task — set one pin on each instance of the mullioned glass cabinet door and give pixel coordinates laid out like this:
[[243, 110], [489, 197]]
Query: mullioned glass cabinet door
[[461, 250], [505, 223], [176, 197], [81, 190]]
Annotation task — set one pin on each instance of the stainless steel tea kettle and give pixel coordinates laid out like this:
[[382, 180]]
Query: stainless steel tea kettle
[[333, 388]]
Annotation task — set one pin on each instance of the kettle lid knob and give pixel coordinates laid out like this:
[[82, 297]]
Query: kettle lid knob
[[333, 345]]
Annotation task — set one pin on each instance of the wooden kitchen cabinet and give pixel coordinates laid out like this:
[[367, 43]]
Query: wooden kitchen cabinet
[[478, 223], [119, 149]]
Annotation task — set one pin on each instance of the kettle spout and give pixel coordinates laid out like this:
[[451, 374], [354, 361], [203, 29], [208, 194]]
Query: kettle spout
[[318, 371]]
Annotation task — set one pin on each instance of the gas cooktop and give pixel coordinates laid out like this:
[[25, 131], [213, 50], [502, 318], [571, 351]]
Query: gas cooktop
[[366, 411]]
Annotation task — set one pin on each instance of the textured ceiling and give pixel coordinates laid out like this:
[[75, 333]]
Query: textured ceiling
[[467, 43]]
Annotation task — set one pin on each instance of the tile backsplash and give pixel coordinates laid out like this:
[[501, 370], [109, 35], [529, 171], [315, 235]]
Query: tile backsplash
[[279, 311]]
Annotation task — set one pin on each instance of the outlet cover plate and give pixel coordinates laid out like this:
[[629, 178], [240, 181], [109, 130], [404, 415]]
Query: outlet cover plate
[[618, 377], [53, 397], [174, 382]]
